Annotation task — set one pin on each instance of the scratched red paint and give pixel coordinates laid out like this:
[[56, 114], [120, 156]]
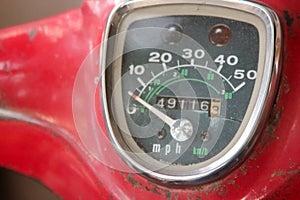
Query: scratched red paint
[[38, 65]]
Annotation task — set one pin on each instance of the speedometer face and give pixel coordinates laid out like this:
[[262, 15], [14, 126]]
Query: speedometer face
[[187, 85], [210, 90]]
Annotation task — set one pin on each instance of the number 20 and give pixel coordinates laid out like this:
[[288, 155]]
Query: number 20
[[156, 57]]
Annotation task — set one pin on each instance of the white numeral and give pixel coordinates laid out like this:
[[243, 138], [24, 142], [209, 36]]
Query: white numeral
[[131, 109], [189, 53], [220, 59], [251, 74], [138, 70], [231, 60], [156, 57], [204, 106], [241, 74], [171, 103], [160, 103]]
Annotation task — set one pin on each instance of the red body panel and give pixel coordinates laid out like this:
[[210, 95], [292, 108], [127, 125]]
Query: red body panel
[[39, 64]]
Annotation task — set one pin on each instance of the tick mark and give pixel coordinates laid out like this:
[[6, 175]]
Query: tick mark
[[240, 86], [165, 66], [192, 61], [220, 68], [152, 74], [141, 82]]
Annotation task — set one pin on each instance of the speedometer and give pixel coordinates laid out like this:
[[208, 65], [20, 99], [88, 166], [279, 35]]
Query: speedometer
[[187, 85]]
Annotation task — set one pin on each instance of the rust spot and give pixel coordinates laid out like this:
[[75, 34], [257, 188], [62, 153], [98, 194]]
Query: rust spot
[[157, 189], [293, 165], [7, 67], [289, 19], [253, 155], [54, 134], [287, 190], [150, 187], [32, 34], [1, 101], [218, 187], [231, 182], [285, 172], [285, 85], [222, 191], [214, 186], [168, 194], [298, 19], [278, 173], [268, 133], [293, 172], [199, 188], [153, 190], [134, 183], [111, 197], [274, 120], [243, 170]]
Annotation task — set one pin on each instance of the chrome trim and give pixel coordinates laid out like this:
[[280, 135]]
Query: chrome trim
[[262, 103]]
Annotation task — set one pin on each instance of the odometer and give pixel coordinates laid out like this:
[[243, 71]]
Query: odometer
[[188, 84]]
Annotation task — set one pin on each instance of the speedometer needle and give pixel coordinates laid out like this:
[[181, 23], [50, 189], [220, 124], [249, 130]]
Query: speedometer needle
[[181, 129], [168, 120]]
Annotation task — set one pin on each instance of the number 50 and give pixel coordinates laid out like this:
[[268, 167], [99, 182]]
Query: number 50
[[241, 74]]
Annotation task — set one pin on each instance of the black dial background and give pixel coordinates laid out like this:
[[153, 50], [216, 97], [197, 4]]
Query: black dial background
[[244, 44]]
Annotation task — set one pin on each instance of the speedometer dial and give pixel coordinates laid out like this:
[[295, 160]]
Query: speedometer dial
[[188, 84]]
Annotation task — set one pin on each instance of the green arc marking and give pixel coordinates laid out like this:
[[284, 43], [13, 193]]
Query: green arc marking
[[154, 91], [173, 81]]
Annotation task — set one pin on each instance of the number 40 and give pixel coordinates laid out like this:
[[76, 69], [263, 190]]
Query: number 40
[[231, 60]]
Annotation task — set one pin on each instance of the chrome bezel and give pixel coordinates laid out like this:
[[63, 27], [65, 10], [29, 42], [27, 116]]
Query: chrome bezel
[[256, 113]]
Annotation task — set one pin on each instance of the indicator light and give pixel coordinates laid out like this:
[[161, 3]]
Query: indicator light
[[172, 34], [220, 35]]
